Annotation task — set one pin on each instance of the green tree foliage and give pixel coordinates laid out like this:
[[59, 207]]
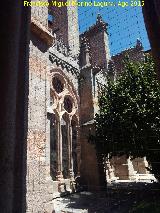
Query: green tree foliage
[[129, 117]]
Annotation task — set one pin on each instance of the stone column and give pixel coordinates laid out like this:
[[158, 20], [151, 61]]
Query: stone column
[[59, 150], [131, 171], [110, 175], [78, 149], [110, 172], [70, 158]]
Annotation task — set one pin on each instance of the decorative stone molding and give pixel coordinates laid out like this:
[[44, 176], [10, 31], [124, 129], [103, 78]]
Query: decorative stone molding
[[60, 89], [62, 48], [59, 62], [41, 31]]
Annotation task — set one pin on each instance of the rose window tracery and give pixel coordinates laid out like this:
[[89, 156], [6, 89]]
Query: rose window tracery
[[68, 104], [57, 85], [63, 133]]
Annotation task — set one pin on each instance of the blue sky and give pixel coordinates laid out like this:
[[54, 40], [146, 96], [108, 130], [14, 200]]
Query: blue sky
[[125, 25]]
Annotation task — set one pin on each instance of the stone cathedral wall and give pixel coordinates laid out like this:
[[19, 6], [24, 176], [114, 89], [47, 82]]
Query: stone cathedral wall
[[97, 40], [65, 26], [39, 192], [38, 128], [41, 188]]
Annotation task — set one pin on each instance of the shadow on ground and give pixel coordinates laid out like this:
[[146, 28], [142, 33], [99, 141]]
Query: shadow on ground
[[118, 198]]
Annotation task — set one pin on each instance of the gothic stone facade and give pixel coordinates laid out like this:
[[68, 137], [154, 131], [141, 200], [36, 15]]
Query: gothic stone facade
[[64, 69]]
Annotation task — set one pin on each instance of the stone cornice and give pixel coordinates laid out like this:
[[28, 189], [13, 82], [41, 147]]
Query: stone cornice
[[60, 62], [41, 31]]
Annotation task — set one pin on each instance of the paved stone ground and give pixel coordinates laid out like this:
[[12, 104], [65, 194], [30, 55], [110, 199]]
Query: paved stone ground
[[117, 199]]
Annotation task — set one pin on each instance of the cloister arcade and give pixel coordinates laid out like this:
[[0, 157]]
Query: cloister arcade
[[64, 128]]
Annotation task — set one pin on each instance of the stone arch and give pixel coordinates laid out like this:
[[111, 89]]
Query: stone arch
[[68, 83], [56, 114], [58, 83], [69, 104], [53, 100], [66, 110]]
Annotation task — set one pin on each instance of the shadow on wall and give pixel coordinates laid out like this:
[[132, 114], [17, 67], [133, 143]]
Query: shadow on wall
[[13, 112]]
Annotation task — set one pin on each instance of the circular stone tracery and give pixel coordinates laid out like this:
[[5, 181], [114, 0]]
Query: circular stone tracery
[[57, 85], [68, 104]]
